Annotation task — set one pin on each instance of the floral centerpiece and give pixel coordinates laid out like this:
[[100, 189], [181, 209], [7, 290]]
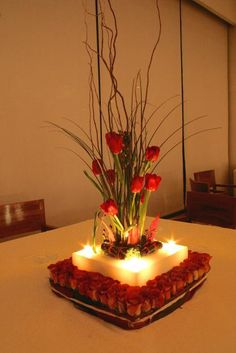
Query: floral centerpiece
[[125, 176], [122, 168]]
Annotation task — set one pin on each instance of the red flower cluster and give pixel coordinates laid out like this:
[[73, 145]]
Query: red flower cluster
[[130, 300], [109, 207], [152, 182], [114, 142], [152, 153]]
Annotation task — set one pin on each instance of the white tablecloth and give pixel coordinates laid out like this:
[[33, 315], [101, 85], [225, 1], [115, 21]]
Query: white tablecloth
[[34, 320]]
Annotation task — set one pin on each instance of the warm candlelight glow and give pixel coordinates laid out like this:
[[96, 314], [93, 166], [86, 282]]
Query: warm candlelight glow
[[170, 247], [87, 252], [134, 264], [134, 270]]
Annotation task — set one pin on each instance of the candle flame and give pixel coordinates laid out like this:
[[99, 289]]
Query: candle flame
[[87, 252], [170, 247]]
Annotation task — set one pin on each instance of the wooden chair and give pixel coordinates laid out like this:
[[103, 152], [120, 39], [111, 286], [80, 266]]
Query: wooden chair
[[210, 208], [21, 218], [208, 176], [199, 186]]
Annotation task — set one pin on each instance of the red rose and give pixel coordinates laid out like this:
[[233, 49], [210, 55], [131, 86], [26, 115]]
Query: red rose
[[152, 283], [137, 184], [111, 176], [152, 182], [152, 153], [134, 295], [109, 207], [114, 142], [96, 166]]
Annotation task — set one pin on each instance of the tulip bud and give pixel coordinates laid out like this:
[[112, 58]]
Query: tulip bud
[[152, 153], [152, 182], [114, 142], [96, 166], [137, 184], [109, 207]]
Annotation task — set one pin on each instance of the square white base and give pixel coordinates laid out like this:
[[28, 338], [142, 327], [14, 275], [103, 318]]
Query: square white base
[[135, 272]]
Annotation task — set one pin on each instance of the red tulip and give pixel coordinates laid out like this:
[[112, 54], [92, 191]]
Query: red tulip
[[109, 207], [137, 184], [96, 166], [152, 153], [114, 142], [111, 176], [152, 182]]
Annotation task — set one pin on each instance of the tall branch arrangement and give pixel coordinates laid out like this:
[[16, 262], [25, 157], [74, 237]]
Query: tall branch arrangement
[[126, 178]]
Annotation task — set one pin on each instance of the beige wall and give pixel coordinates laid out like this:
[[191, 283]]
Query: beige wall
[[226, 9], [206, 90], [44, 76], [232, 95]]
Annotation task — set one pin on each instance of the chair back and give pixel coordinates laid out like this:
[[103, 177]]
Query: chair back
[[206, 176], [199, 186], [22, 217], [207, 208]]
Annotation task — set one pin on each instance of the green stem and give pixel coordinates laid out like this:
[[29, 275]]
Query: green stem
[[95, 227], [131, 213], [145, 168], [118, 166], [94, 183], [105, 186], [143, 211], [118, 224]]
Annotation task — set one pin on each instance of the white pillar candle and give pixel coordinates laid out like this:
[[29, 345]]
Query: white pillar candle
[[134, 271]]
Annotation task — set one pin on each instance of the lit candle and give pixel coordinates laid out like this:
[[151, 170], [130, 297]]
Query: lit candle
[[170, 247], [87, 252], [135, 270]]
